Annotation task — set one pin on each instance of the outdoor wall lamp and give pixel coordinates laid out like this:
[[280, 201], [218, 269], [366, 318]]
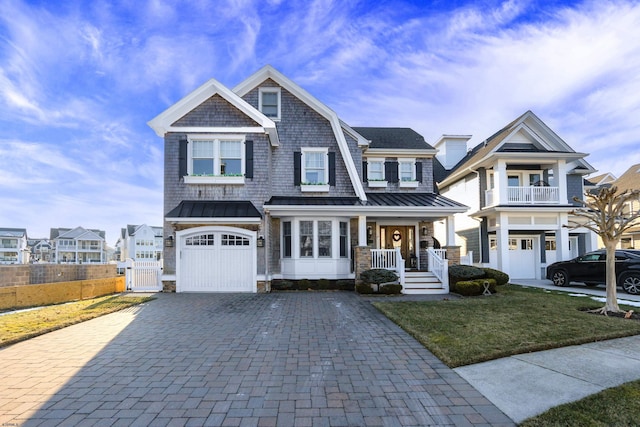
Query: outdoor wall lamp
[[260, 242], [168, 242], [369, 232], [425, 232]]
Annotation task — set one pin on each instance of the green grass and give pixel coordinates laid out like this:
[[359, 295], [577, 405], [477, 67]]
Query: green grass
[[519, 320], [617, 406], [19, 326], [516, 320]]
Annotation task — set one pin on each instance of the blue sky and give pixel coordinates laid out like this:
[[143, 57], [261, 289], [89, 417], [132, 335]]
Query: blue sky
[[80, 79]]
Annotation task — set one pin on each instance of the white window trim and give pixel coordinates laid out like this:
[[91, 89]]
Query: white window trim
[[319, 187], [413, 183], [335, 238], [376, 183], [275, 90], [215, 179]]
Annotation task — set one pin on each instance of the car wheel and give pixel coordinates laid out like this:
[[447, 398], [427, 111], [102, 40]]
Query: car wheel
[[591, 284], [631, 284], [560, 278]]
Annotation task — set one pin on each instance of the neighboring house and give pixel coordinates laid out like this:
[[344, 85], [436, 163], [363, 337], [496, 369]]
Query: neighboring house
[[630, 180], [140, 243], [520, 185], [41, 250], [78, 245], [13, 246], [265, 182], [594, 183]]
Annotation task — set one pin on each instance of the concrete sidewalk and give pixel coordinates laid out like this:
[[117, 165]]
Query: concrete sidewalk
[[526, 385]]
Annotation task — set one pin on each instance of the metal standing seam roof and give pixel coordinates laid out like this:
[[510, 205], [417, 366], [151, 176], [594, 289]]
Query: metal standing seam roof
[[427, 200], [214, 209]]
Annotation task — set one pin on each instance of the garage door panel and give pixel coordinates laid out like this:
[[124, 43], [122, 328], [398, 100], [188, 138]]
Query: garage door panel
[[217, 260]]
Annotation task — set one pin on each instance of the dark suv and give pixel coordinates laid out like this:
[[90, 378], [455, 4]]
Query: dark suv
[[590, 268]]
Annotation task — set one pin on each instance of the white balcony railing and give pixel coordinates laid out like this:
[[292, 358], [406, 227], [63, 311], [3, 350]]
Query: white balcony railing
[[525, 196]]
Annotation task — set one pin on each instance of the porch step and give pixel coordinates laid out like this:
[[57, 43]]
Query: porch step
[[421, 282]]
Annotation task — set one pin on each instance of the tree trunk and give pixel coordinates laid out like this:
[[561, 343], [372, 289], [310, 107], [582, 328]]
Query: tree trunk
[[612, 291]]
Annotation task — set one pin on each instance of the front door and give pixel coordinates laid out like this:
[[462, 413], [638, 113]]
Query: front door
[[402, 237]]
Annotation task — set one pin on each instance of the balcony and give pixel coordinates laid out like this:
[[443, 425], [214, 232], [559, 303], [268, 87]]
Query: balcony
[[531, 195]]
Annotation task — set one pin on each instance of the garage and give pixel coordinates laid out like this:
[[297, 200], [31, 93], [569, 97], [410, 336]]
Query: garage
[[216, 259], [522, 258]]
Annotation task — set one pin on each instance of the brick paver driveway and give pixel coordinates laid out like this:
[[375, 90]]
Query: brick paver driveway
[[280, 359]]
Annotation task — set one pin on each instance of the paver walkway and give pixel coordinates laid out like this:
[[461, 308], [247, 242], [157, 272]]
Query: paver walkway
[[280, 359]]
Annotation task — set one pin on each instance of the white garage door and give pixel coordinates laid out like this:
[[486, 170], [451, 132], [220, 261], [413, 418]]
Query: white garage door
[[216, 259], [522, 259]]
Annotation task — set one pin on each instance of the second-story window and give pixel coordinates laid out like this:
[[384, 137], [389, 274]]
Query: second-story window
[[215, 159], [375, 170], [407, 170], [314, 167]]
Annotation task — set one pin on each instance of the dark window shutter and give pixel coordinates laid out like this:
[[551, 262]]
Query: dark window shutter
[[297, 167], [182, 158], [419, 171], [364, 171], [391, 171], [332, 168], [248, 159]]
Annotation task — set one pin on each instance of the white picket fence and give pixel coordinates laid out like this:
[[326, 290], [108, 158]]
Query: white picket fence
[[142, 276]]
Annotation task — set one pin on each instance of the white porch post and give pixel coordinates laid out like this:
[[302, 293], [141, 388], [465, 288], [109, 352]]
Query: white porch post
[[591, 241], [562, 238], [560, 171], [502, 235], [362, 230], [451, 231], [500, 182]]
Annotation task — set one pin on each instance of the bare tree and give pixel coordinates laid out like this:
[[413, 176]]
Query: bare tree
[[608, 214]]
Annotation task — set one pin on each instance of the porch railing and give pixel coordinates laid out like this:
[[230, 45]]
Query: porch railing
[[526, 195], [439, 266], [388, 259]]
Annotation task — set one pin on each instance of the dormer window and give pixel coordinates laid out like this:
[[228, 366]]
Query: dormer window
[[375, 170], [269, 102], [407, 170]]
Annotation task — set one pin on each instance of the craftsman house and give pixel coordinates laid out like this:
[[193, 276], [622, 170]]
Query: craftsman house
[[264, 181], [519, 185]]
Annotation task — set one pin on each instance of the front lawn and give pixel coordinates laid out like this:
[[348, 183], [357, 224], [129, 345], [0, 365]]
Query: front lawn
[[513, 321]]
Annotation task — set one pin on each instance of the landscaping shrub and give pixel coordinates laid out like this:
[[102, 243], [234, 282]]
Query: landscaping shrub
[[377, 276], [459, 273], [475, 287], [282, 285], [390, 289], [345, 285], [364, 288], [468, 288], [500, 277], [303, 284], [323, 284]]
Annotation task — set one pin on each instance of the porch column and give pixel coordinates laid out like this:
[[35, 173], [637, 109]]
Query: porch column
[[451, 231], [502, 236], [591, 241], [362, 230], [500, 182], [562, 239], [560, 171]]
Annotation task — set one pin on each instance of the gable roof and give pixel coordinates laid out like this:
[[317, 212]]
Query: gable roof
[[133, 229], [394, 138], [164, 122], [268, 72], [77, 233], [630, 180], [603, 178], [545, 144]]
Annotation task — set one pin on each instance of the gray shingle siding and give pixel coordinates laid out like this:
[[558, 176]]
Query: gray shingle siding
[[574, 188], [215, 111]]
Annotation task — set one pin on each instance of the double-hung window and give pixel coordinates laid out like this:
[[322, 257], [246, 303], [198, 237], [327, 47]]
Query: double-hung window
[[407, 170], [375, 170], [269, 102], [215, 159], [315, 167]]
